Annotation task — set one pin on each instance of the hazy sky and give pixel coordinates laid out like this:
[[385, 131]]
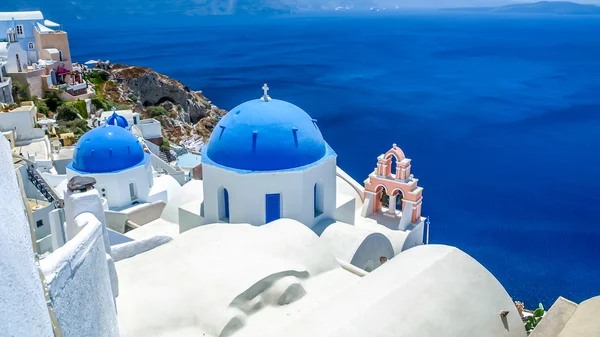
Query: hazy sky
[[469, 3]]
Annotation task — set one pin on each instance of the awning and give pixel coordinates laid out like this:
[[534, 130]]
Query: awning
[[49, 23], [91, 62], [43, 29], [46, 121]]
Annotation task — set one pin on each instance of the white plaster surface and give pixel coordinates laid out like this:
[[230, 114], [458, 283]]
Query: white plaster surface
[[584, 321], [427, 291], [358, 246], [396, 237], [129, 249], [227, 277], [165, 183], [153, 228], [247, 193], [116, 184], [345, 188], [80, 285], [192, 190], [23, 309]]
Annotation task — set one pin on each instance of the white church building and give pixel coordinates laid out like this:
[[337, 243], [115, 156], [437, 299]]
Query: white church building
[[267, 160]]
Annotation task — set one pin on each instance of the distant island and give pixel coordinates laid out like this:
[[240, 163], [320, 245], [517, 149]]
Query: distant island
[[542, 7]]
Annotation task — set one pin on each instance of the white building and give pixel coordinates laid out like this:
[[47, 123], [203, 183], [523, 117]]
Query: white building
[[22, 121], [23, 24], [16, 56], [268, 160], [6, 95], [132, 118], [115, 158]]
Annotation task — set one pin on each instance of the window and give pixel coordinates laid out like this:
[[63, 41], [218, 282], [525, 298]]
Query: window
[[30, 46], [224, 206], [134, 119], [39, 223], [132, 191], [317, 201], [273, 207], [20, 30]]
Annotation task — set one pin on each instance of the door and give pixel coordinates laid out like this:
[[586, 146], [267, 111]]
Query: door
[[273, 207]]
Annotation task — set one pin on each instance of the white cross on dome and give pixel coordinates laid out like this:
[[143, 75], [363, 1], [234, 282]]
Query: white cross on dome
[[265, 89]]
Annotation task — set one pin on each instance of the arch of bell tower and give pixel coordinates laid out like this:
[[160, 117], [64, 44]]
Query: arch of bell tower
[[397, 181]]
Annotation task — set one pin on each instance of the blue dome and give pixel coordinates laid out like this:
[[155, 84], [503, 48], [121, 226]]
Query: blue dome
[[106, 149], [266, 136], [118, 120]]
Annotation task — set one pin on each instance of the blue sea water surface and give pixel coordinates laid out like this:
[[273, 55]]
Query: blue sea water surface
[[500, 115]]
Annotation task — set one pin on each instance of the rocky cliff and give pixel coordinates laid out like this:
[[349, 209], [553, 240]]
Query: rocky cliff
[[184, 114]]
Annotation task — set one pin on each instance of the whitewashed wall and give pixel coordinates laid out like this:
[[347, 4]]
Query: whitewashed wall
[[23, 309], [79, 283], [22, 121], [150, 128], [116, 185], [247, 193]]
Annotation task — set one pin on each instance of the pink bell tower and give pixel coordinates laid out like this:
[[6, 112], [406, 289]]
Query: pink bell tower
[[396, 181]]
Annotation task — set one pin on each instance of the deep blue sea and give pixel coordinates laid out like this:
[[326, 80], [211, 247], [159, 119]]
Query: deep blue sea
[[500, 115]]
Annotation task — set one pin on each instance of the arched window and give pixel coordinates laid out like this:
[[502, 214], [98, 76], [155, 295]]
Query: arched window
[[393, 163], [30, 45], [317, 200], [224, 206]]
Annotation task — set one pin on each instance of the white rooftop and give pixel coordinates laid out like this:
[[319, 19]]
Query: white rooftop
[[43, 29], [32, 15]]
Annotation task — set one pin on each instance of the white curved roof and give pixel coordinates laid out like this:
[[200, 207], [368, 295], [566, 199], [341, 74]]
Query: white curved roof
[[427, 291], [165, 182], [191, 191], [358, 246], [32, 15], [213, 275], [584, 321]]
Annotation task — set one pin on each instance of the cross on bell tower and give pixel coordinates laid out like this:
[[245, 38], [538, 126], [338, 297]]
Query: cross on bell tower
[[265, 96]]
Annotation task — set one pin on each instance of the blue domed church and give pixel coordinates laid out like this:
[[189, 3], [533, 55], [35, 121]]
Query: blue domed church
[[115, 158], [267, 159]]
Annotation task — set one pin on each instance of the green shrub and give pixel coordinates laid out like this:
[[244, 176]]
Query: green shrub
[[96, 77], [81, 108], [78, 127], [534, 320], [21, 92], [53, 101], [66, 112], [123, 107], [156, 111], [165, 145], [41, 106], [133, 98], [101, 103]]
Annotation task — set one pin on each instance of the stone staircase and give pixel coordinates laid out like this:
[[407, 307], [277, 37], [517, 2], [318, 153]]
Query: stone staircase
[[40, 183]]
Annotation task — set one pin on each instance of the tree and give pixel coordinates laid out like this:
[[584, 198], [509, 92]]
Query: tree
[[66, 112], [81, 108], [41, 106], [53, 101], [165, 145], [21, 92]]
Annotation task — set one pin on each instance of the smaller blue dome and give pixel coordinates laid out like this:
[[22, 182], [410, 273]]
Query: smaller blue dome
[[108, 148], [118, 120]]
